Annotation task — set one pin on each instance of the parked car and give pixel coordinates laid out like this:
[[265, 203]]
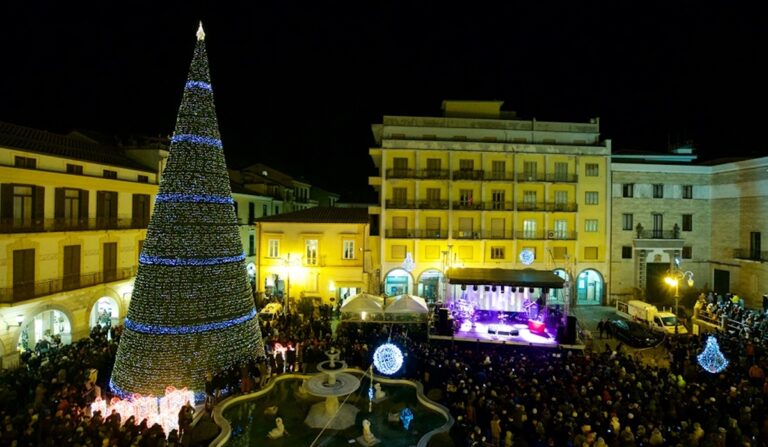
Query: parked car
[[269, 311], [637, 335]]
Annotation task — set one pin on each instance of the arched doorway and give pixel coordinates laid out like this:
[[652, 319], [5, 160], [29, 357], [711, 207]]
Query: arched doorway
[[429, 285], [556, 296], [105, 312], [589, 288], [44, 329], [398, 282]]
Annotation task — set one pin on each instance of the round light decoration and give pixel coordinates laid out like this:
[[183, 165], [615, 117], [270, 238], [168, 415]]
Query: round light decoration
[[388, 359], [527, 256], [251, 267]]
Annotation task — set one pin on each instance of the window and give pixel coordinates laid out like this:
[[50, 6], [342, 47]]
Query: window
[[687, 222], [628, 190], [658, 191], [399, 226], [23, 273], [592, 170], [277, 209], [25, 162], [433, 168], [433, 195], [71, 270], [687, 252], [143, 179], [466, 226], [274, 248], [627, 221], [590, 225], [465, 197], [529, 229], [74, 169], [755, 245], [71, 205], [561, 199], [497, 199], [590, 252], [398, 252], [561, 172], [264, 210], [497, 252], [498, 167], [466, 165], [22, 205], [310, 251], [687, 192], [400, 163], [109, 261], [529, 198], [251, 212], [529, 170], [106, 207], [559, 252], [497, 228], [591, 198], [348, 251], [109, 173], [626, 252], [432, 226], [561, 229], [399, 195], [251, 245]]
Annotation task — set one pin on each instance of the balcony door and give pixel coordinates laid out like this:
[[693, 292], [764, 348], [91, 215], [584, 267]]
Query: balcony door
[[23, 273], [399, 226], [497, 228], [658, 225], [755, 246], [71, 278], [109, 261]]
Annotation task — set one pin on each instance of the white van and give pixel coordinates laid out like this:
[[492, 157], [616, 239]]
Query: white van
[[661, 321]]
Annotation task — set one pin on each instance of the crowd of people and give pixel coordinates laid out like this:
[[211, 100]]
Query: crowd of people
[[729, 312], [498, 395]]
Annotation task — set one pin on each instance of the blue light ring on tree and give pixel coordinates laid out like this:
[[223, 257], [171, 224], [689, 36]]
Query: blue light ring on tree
[[184, 330]]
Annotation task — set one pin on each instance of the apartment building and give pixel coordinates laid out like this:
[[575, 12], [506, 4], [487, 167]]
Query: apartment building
[[73, 216], [478, 186]]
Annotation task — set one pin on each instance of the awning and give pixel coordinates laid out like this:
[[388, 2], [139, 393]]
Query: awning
[[505, 277]]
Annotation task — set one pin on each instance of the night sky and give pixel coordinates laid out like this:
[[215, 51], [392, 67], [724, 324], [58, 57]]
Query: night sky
[[297, 84]]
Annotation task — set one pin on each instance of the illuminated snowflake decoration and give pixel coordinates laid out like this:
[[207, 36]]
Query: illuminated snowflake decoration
[[408, 264], [712, 359], [388, 359]]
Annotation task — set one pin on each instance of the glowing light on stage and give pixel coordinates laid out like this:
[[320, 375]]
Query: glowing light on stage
[[163, 411], [388, 359], [712, 359], [536, 327]]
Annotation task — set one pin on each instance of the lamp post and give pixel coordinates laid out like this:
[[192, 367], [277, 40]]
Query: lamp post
[[673, 279], [289, 265]]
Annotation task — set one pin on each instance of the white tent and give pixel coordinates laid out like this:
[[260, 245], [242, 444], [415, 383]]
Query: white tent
[[363, 302], [406, 304]]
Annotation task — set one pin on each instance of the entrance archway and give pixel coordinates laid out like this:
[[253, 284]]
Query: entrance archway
[[44, 329], [429, 285], [105, 312], [556, 296], [398, 282], [589, 287]]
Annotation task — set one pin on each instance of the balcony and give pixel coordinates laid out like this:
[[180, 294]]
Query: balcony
[[24, 291], [401, 173], [498, 206], [432, 204], [491, 176], [464, 205], [400, 204], [531, 177], [439, 174], [48, 225], [657, 234], [495, 234], [751, 255], [562, 178], [416, 234], [532, 206], [562, 207], [463, 234], [467, 174]]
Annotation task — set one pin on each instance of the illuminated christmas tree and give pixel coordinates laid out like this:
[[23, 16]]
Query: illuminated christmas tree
[[192, 309], [712, 359]]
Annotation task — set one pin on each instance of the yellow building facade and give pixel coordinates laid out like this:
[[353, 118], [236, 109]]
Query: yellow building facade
[[73, 216], [321, 254], [476, 187]]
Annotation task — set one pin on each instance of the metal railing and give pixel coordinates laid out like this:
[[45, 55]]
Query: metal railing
[[416, 234], [27, 290], [658, 234], [496, 234], [464, 205], [432, 204], [466, 174], [401, 173], [461, 234], [435, 174], [753, 255], [535, 177], [400, 204], [498, 206], [499, 176], [564, 178], [531, 206], [46, 225]]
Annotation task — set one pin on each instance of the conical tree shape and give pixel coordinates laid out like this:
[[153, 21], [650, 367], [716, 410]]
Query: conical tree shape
[[192, 309]]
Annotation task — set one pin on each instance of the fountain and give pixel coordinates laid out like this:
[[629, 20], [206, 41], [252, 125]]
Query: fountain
[[331, 383]]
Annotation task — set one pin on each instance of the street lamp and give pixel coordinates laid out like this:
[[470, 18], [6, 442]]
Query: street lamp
[[290, 265], [673, 280]]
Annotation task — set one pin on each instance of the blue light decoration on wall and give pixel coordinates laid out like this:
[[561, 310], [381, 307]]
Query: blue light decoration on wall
[[712, 360], [388, 359], [192, 308], [406, 416], [196, 139], [193, 198]]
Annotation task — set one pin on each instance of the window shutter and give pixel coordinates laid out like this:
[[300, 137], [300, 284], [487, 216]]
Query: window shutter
[[83, 204], [113, 206], [100, 211], [39, 205], [6, 201], [58, 211]]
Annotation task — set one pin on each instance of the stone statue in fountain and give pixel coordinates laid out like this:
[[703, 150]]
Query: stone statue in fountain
[[333, 356], [367, 439], [378, 394], [278, 431]]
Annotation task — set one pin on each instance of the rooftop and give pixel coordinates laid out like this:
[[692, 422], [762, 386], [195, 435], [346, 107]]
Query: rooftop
[[321, 215]]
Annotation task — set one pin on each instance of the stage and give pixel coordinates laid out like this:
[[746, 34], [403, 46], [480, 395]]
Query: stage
[[530, 333]]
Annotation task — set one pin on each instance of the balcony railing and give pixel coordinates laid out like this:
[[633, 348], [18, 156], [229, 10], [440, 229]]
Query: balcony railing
[[499, 176], [24, 291], [491, 234], [462, 234], [435, 174], [658, 234], [498, 206], [535, 177], [416, 234], [400, 204], [466, 174], [45, 225], [401, 173], [565, 178], [562, 207], [531, 206], [432, 204], [463, 205], [753, 255]]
